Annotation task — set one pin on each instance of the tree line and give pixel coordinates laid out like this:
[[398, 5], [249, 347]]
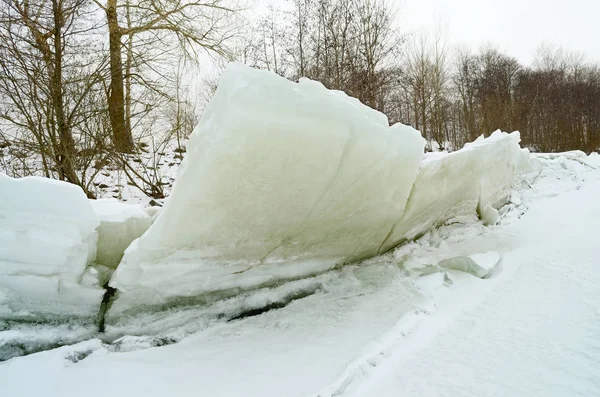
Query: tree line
[[87, 84], [452, 95]]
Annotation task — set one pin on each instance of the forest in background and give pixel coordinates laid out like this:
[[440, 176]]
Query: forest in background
[[451, 94], [88, 85]]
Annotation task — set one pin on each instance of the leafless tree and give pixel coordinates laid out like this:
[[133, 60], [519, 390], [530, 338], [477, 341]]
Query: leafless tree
[[348, 45], [193, 25], [47, 73]]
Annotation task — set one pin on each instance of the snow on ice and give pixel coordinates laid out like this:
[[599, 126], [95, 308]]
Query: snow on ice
[[477, 178], [47, 240], [381, 327], [58, 248], [284, 181]]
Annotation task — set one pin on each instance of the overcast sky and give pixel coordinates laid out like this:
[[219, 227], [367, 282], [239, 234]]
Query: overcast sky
[[518, 27]]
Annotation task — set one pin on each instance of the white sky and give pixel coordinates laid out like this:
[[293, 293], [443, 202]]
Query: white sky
[[517, 27]]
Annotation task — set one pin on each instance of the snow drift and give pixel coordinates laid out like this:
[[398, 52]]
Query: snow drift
[[281, 180], [47, 240]]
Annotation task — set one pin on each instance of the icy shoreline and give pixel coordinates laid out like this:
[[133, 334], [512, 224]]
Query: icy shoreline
[[380, 326], [260, 201]]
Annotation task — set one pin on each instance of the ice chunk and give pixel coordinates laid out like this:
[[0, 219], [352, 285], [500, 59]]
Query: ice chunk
[[475, 179], [575, 155], [481, 265], [47, 239], [281, 180], [502, 162], [489, 215], [594, 159], [120, 224]]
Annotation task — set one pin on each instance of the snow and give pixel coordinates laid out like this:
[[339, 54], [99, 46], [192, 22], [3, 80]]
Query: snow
[[120, 224], [281, 180], [532, 331], [387, 326], [156, 162], [593, 159], [47, 240], [243, 357]]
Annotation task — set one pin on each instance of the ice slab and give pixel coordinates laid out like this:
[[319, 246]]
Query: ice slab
[[120, 224], [281, 180], [476, 179], [480, 265]]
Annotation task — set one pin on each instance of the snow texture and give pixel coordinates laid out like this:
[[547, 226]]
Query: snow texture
[[531, 331], [47, 240], [281, 180]]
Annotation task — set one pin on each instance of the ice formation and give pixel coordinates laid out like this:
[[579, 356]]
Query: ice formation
[[476, 179], [47, 239], [281, 180], [120, 224], [482, 265]]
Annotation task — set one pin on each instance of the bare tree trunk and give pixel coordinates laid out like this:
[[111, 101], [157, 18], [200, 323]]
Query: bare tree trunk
[[301, 15], [53, 59], [128, 67], [67, 144], [122, 138]]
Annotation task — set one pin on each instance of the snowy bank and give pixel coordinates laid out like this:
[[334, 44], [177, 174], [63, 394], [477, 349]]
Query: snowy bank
[[47, 240], [375, 329]]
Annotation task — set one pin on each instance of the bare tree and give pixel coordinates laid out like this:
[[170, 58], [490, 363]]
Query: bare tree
[[348, 45], [440, 96], [46, 75], [466, 71], [194, 25], [417, 81]]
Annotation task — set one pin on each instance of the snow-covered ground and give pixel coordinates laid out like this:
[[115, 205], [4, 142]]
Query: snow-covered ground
[[399, 324], [155, 163]]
